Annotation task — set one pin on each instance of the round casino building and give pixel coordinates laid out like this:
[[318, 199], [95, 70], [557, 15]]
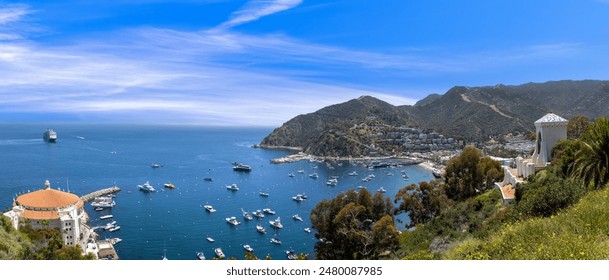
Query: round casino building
[[49, 208]]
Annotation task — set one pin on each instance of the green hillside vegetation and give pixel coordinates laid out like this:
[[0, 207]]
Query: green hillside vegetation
[[580, 232], [13, 244], [560, 213], [35, 244]]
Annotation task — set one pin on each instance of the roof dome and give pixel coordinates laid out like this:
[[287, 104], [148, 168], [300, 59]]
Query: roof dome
[[551, 118], [47, 198]]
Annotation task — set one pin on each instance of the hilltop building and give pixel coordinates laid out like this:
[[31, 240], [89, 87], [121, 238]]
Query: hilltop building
[[549, 129], [49, 208]]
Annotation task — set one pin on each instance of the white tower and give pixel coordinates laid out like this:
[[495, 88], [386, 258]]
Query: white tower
[[548, 130]]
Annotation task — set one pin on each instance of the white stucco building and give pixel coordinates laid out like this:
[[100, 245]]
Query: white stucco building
[[549, 129], [52, 208]]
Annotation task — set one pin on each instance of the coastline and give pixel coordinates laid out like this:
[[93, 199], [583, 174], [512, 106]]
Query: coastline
[[427, 165]]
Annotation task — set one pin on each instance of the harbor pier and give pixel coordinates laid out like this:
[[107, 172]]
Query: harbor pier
[[88, 197]]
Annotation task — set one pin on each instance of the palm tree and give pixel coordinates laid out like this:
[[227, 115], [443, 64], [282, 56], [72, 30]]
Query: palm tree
[[592, 160]]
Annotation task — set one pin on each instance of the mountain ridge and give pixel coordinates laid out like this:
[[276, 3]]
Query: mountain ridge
[[472, 114]]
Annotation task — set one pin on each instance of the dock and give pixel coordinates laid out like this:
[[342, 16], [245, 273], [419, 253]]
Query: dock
[[106, 250], [88, 197]]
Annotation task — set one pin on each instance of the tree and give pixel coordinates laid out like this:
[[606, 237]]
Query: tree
[[577, 126], [423, 201], [469, 173], [346, 226], [592, 160]]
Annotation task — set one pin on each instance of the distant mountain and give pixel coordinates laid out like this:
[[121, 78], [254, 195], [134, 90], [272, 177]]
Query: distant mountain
[[361, 125], [324, 132], [475, 113]]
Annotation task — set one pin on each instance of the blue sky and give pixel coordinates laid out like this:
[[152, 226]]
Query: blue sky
[[262, 62]]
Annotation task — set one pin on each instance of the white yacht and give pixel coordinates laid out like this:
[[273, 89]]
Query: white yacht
[[258, 214], [233, 187], [247, 215], [307, 230], [106, 217], [115, 228], [291, 175], [268, 211], [211, 240], [209, 208], [276, 223], [242, 167], [297, 218], [219, 253], [109, 226], [382, 190], [301, 171], [263, 194], [260, 229], [297, 198], [146, 187], [354, 173], [248, 248], [103, 202], [200, 256], [233, 221], [332, 182], [291, 255], [275, 241], [313, 175]]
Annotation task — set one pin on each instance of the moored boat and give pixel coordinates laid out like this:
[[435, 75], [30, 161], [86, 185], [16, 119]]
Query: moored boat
[[297, 217], [260, 229], [307, 230], [263, 194], [232, 187], [146, 187], [268, 211], [106, 217], [200, 256], [247, 215], [169, 186], [275, 240], [233, 221], [209, 208], [248, 248], [219, 253], [258, 214], [291, 255], [276, 223], [211, 240], [242, 167]]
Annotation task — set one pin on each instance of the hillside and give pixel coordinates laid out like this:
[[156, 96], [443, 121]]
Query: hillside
[[327, 131], [367, 125], [475, 113]]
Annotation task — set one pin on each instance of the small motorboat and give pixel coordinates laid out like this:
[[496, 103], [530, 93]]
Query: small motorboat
[[275, 241], [248, 248], [211, 240], [219, 253], [200, 256]]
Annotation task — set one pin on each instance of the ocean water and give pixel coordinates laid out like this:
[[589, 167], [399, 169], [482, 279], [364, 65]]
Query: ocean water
[[91, 157]]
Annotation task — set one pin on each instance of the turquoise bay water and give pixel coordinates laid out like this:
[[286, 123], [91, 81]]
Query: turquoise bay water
[[91, 157]]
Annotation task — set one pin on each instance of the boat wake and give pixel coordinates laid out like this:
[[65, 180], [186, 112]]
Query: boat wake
[[14, 142]]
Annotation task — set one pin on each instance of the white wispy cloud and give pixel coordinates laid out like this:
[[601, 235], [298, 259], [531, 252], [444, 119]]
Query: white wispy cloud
[[11, 17], [212, 77], [255, 9]]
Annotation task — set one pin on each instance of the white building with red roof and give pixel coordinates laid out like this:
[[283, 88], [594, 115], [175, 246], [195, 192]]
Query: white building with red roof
[[52, 208]]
